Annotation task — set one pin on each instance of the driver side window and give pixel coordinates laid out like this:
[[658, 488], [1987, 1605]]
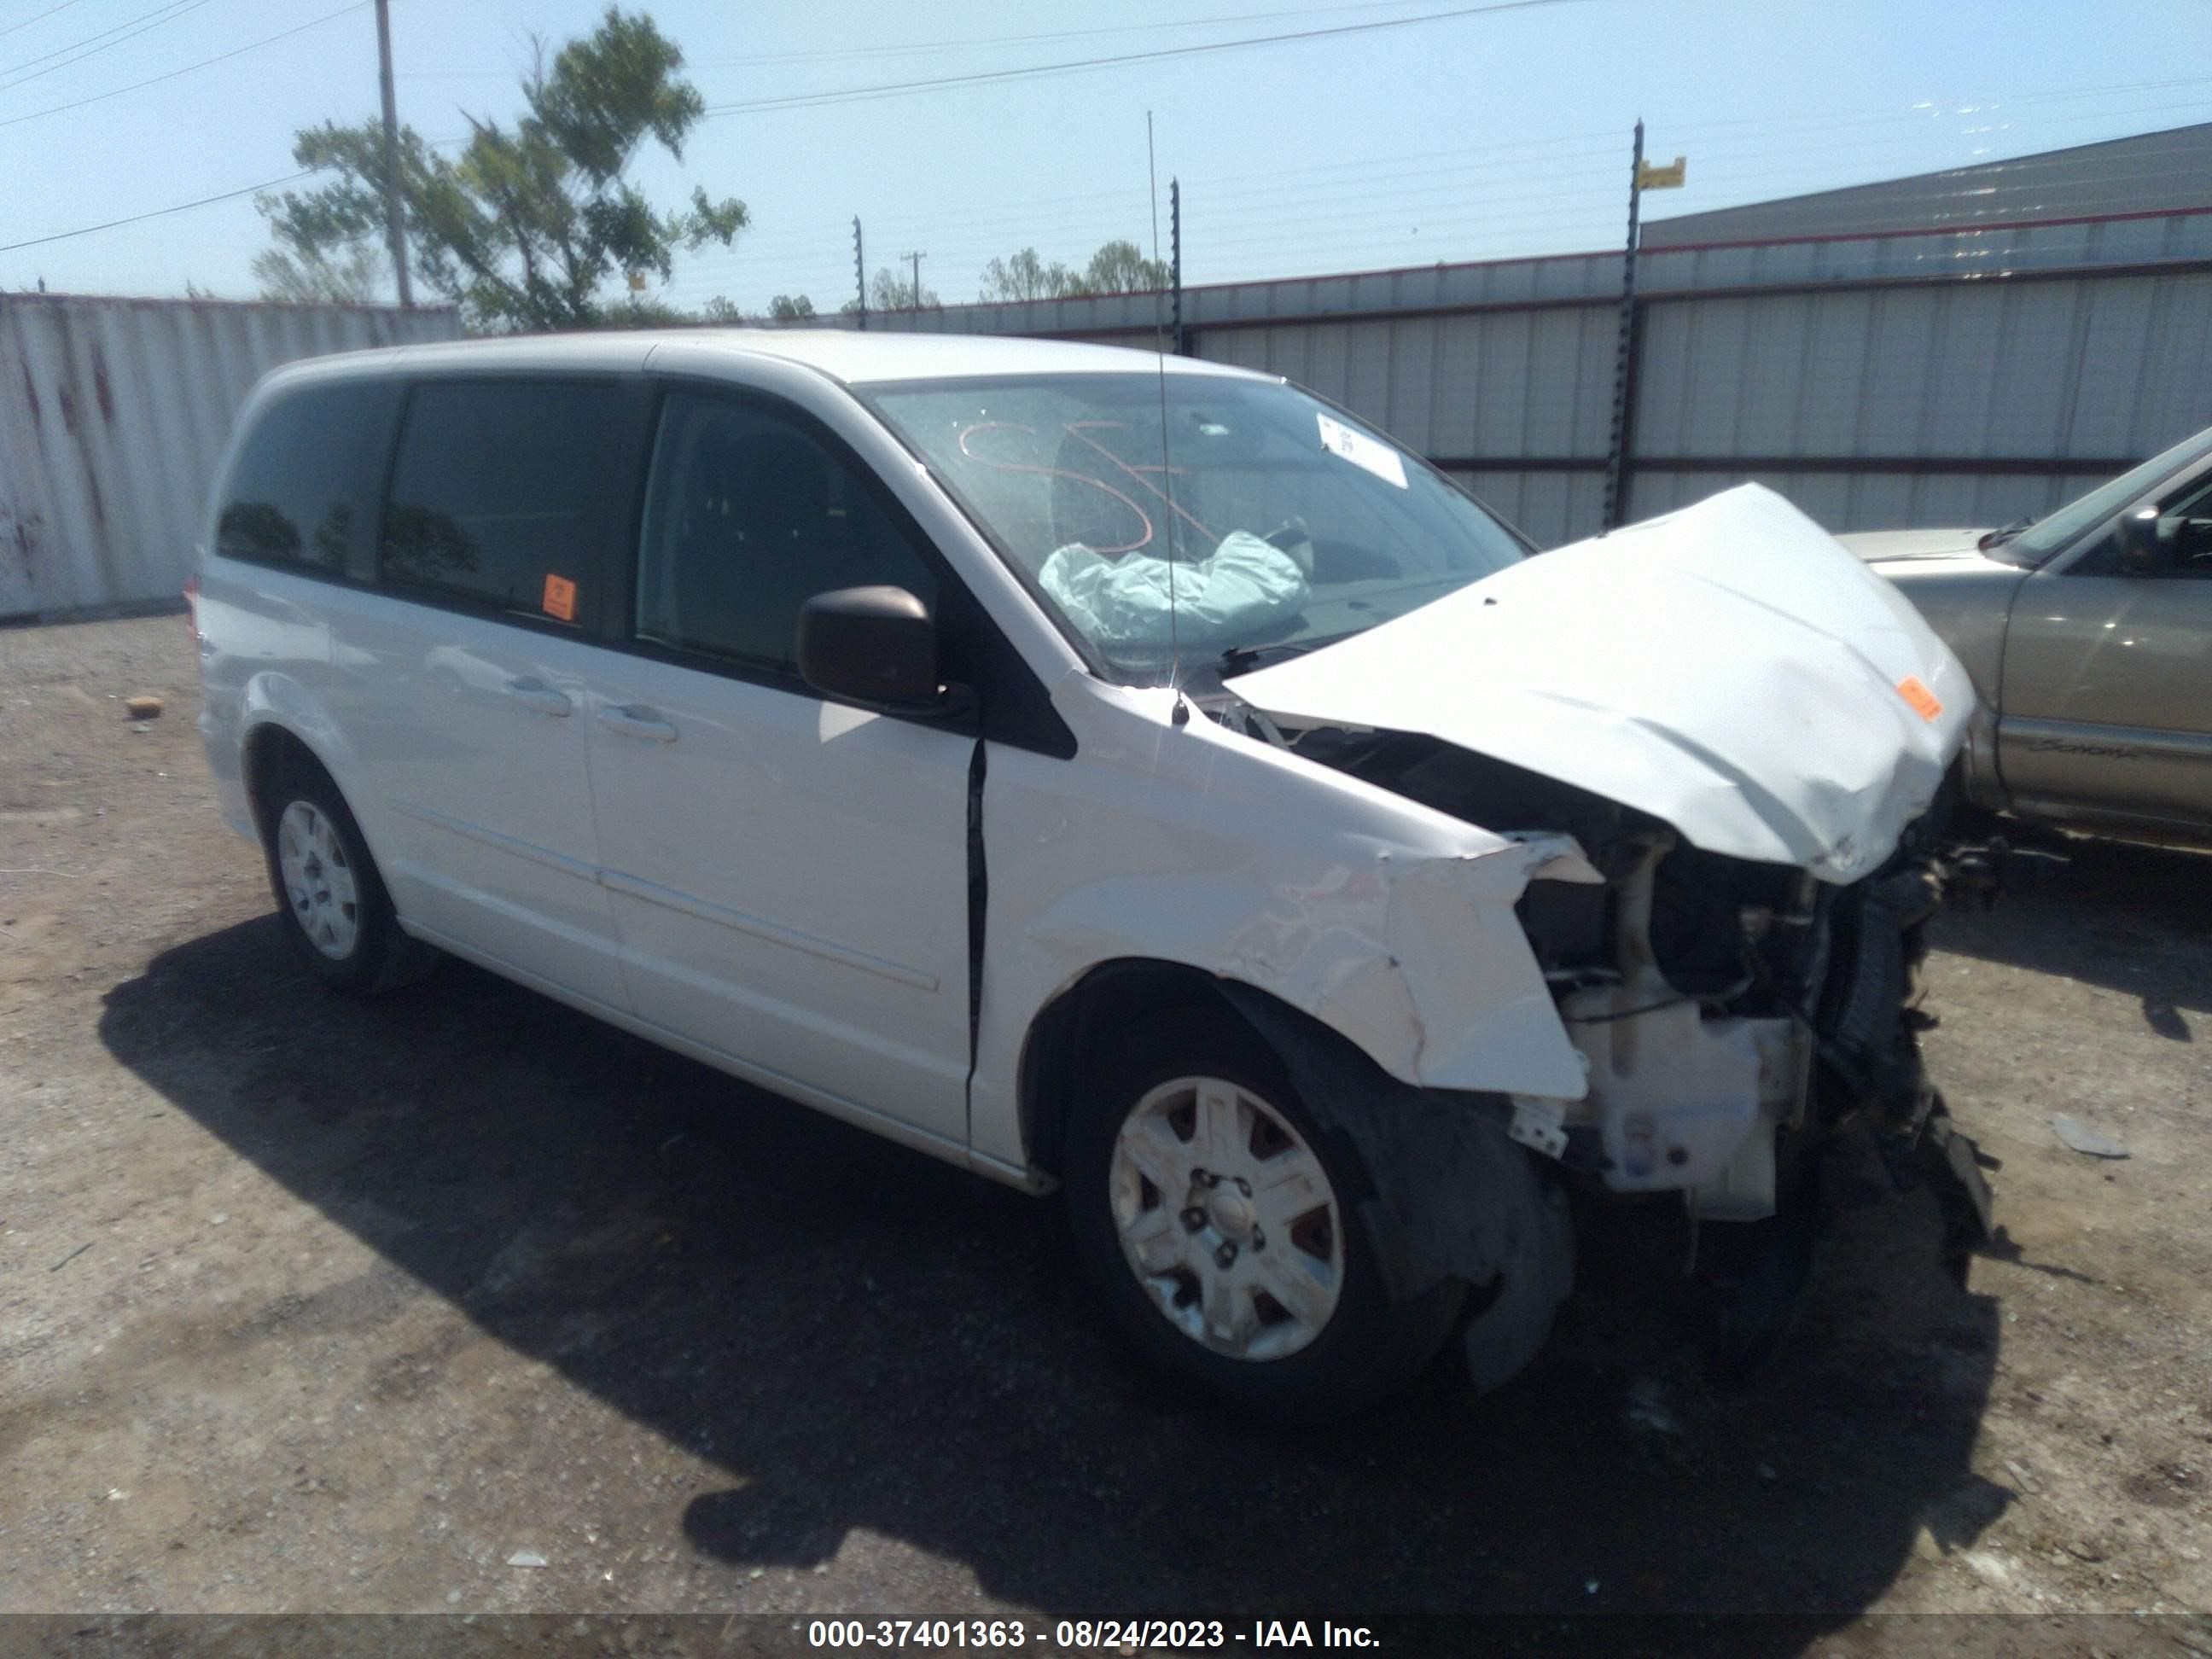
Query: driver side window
[[2185, 531], [748, 516], [2183, 541]]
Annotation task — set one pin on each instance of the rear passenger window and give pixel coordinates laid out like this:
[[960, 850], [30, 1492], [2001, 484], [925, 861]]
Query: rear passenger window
[[747, 517], [304, 489], [501, 492]]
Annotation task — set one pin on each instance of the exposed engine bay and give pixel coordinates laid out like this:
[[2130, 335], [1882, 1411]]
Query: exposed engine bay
[[1731, 1014]]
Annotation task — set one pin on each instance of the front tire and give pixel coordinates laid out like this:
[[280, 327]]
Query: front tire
[[335, 909], [1219, 1225]]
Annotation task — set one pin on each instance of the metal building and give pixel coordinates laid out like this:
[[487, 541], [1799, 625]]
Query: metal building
[[112, 416], [1959, 347]]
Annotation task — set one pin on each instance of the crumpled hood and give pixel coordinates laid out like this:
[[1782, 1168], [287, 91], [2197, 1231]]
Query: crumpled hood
[[1728, 669]]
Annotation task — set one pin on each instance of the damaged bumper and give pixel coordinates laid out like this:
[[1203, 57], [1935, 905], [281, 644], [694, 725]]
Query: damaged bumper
[[1728, 1015]]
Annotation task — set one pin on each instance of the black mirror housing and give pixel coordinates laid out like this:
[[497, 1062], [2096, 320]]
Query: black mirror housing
[[876, 646], [2142, 553]]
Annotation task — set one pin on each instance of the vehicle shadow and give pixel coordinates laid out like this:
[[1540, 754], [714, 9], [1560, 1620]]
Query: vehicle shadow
[[2131, 918], [866, 1339]]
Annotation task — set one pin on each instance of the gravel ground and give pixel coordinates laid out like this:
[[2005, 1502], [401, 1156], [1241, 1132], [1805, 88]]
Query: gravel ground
[[307, 1304]]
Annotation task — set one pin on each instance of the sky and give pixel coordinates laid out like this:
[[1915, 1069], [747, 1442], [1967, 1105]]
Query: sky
[[1488, 135]]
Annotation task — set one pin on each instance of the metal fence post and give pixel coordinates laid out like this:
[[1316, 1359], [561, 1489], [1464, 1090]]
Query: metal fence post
[[860, 272], [1175, 262], [1623, 362]]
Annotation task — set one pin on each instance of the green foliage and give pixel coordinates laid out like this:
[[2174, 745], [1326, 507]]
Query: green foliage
[[889, 291], [1121, 268], [1118, 267], [527, 227], [354, 274], [1026, 276], [790, 309]]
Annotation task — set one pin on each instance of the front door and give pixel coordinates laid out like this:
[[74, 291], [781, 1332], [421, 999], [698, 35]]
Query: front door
[[2107, 694], [789, 875]]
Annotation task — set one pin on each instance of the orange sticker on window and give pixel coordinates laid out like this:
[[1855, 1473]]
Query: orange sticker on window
[[560, 600], [1922, 699]]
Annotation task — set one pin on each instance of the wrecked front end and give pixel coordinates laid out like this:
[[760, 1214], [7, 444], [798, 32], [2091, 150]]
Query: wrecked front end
[[1730, 1019], [1731, 1015], [1750, 745]]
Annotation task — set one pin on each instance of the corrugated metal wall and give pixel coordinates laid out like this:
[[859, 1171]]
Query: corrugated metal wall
[[1929, 393], [1962, 377], [112, 416], [1959, 377], [1475, 392]]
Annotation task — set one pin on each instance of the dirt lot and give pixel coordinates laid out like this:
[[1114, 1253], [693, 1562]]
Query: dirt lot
[[310, 1304]]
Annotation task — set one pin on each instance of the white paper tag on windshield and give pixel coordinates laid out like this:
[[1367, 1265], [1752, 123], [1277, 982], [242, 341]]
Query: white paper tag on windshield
[[1362, 451]]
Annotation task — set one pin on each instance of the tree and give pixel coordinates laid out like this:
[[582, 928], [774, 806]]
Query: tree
[[527, 226], [790, 309], [355, 275], [889, 291], [1121, 268], [1025, 276], [1118, 267]]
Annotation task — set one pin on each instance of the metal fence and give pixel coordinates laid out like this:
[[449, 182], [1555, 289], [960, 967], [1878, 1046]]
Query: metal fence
[[112, 416], [1948, 376]]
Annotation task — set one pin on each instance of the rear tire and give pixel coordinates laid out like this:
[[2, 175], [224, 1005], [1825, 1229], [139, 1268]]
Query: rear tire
[[1219, 1227], [334, 906]]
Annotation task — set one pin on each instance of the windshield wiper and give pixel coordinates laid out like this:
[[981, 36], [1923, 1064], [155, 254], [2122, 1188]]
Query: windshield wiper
[[1999, 537], [1243, 659]]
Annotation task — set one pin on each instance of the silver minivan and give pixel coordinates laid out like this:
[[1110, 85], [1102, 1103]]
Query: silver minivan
[[1133, 777]]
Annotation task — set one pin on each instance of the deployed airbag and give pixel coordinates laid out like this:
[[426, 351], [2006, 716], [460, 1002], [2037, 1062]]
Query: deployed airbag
[[1246, 584]]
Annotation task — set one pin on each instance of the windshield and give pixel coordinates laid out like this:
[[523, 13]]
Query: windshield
[[2045, 537], [1255, 519]]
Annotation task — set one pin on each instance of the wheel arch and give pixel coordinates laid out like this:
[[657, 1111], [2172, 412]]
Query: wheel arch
[[1442, 1190], [270, 747], [271, 742], [1065, 1033]]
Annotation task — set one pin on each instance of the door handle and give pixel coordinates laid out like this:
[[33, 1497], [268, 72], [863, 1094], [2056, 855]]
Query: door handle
[[539, 697], [639, 722]]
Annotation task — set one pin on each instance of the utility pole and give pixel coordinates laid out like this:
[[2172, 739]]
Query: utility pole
[[917, 259], [860, 272], [1175, 262], [395, 220]]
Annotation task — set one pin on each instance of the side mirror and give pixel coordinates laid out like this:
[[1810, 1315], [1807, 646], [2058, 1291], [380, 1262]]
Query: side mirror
[[876, 646], [2142, 553]]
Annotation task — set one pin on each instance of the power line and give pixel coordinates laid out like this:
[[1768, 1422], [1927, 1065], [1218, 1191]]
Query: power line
[[985, 43], [121, 31], [982, 77], [157, 213], [1051, 34], [1482, 184], [155, 80], [156, 15], [36, 16], [1446, 211]]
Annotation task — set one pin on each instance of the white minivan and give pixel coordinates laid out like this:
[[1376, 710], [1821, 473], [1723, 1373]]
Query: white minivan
[[1132, 776]]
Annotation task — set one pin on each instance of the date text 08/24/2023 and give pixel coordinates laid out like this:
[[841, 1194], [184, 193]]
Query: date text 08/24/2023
[[1083, 1634]]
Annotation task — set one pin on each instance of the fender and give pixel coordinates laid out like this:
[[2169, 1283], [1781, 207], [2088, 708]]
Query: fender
[[274, 698], [1391, 925], [1419, 962]]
